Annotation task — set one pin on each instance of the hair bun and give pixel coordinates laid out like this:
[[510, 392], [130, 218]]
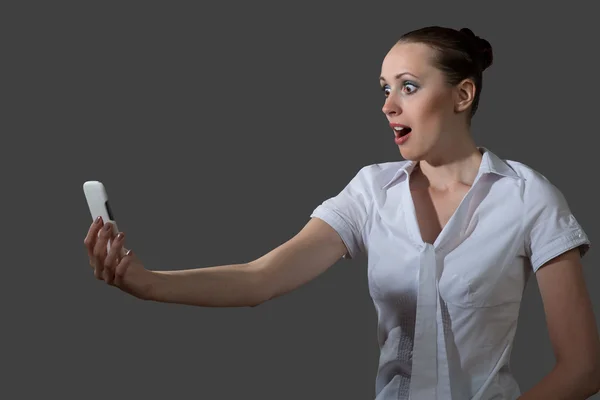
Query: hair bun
[[469, 32], [483, 46], [487, 54]]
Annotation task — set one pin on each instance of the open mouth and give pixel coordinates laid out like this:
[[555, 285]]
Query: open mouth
[[401, 131]]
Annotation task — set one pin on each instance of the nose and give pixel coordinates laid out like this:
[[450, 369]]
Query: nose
[[390, 107]]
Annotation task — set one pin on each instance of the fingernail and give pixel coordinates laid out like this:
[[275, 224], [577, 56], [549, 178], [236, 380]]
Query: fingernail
[[107, 227], [120, 236], [98, 219], [128, 252]]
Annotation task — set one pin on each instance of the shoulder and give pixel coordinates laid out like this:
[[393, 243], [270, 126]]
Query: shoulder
[[549, 224], [375, 176], [526, 172], [537, 189]]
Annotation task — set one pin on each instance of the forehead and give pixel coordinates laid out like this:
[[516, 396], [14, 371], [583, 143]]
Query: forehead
[[414, 58]]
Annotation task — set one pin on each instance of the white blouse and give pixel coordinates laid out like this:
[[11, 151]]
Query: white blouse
[[447, 312]]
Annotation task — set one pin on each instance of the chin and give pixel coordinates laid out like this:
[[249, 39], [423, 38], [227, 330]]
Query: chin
[[410, 154]]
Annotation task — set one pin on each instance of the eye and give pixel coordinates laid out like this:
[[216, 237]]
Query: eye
[[409, 87], [386, 89]]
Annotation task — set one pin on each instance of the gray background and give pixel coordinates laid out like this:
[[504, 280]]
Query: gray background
[[217, 129]]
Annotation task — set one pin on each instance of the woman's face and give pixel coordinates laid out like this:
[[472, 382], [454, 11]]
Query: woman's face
[[419, 99]]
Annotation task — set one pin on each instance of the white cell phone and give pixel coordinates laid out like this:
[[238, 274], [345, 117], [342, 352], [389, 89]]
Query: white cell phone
[[97, 200]]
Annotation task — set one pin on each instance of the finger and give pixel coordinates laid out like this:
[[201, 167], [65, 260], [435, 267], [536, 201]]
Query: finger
[[98, 268], [98, 271], [121, 268], [123, 251], [104, 235], [113, 257], [108, 272], [90, 243], [100, 248], [115, 251], [108, 276], [92, 234]]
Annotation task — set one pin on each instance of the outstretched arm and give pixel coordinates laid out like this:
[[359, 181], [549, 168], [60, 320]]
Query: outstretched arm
[[299, 260]]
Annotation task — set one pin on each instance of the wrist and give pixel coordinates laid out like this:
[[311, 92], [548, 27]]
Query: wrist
[[154, 286]]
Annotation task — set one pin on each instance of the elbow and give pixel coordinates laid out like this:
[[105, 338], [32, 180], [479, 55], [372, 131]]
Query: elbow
[[595, 373], [261, 296], [255, 304], [261, 292], [588, 377], [258, 298], [580, 373], [594, 384], [257, 301], [595, 377]]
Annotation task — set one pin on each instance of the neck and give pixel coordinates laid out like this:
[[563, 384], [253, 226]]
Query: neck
[[455, 164]]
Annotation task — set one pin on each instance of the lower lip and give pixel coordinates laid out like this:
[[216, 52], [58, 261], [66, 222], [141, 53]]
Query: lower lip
[[401, 140]]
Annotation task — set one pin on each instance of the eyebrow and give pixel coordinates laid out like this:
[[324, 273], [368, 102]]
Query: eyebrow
[[397, 76]]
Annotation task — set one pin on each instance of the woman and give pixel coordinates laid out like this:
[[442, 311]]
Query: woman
[[452, 235]]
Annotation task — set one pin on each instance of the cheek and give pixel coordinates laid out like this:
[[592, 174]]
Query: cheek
[[431, 112]]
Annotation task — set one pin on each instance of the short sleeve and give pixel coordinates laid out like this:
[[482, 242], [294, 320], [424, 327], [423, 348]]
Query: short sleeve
[[347, 212], [550, 227]]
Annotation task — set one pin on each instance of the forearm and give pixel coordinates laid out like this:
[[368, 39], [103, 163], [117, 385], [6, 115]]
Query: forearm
[[563, 382], [236, 285]]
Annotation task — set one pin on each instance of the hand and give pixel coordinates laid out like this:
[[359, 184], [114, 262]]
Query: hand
[[115, 265]]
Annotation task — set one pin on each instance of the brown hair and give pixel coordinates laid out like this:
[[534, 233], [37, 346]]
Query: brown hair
[[460, 54]]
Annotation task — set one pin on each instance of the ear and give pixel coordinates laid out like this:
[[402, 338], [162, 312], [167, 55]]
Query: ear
[[463, 95]]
